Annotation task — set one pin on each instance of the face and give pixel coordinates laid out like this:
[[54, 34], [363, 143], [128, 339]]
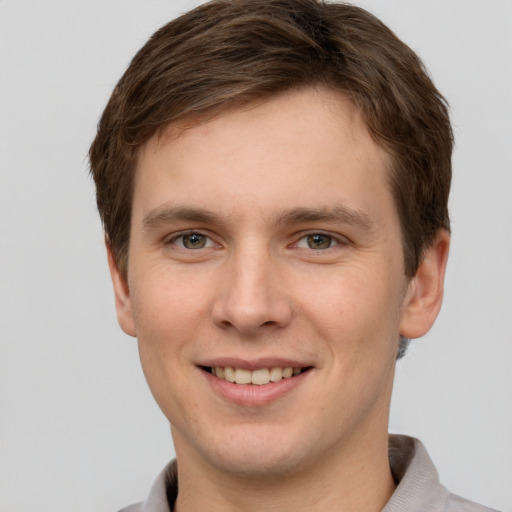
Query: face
[[266, 284]]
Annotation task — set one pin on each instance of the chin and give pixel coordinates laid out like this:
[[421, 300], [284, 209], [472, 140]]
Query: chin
[[255, 465], [256, 452], [261, 454]]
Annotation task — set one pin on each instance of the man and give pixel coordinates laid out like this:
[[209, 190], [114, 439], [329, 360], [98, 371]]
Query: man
[[273, 179]]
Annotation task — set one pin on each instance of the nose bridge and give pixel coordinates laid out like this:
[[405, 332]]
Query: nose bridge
[[251, 295]]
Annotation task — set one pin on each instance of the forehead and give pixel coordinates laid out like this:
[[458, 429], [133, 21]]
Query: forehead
[[311, 142], [295, 105]]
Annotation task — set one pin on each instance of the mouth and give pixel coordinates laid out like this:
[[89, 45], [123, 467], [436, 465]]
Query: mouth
[[257, 377]]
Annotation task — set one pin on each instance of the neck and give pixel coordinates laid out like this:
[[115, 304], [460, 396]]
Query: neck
[[346, 479]]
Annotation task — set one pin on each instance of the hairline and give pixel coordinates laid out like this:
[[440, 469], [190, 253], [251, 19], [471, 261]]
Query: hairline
[[189, 120]]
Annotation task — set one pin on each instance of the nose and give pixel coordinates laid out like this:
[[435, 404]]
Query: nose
[[252, 297]]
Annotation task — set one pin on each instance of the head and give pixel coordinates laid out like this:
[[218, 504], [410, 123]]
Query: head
[[311, 152], [251, 50]]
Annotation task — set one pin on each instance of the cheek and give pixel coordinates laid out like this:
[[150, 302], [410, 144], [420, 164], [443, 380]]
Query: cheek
[[166, 302], [167, 324], [356, 311], [164, 319]]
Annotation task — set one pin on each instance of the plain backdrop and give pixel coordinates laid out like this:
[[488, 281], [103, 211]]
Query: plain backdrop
[[79, 430]]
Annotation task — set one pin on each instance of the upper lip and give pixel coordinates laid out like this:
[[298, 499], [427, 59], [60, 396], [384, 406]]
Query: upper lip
[[254, 364]]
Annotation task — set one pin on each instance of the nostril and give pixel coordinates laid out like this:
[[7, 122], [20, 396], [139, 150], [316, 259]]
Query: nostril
[[250, 310], [225, 324]]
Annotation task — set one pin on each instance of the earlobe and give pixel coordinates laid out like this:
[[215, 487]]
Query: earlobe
[[425, 293], [122, 295]]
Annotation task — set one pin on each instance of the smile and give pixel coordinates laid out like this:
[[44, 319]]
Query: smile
[[258, 377]]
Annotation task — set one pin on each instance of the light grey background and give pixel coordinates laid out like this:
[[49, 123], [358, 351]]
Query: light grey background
[[78, 428]]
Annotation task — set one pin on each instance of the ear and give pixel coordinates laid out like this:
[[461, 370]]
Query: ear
[[425, 290], [122, 295]]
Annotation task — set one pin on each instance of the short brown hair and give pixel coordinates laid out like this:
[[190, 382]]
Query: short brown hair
[[227, 53]]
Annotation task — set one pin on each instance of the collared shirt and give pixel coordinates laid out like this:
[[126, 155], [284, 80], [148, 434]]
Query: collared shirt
[[418, 488]]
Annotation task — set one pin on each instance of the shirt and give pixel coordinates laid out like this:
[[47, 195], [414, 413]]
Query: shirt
[[418, 488]]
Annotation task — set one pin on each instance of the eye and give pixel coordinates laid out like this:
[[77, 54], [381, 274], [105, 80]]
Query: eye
[[192, 241], [317, 241]]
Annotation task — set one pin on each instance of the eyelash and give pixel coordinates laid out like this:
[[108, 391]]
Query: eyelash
[[334, 241], [172, 241]]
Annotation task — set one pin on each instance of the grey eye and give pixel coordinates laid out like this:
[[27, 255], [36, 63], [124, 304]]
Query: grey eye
[[319, 241], [194, 241]]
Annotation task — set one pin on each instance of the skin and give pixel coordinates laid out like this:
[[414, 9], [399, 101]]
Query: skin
[[256, 289]]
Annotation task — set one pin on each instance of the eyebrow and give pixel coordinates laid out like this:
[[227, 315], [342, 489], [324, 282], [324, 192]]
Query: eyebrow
[[340, 214], [167, 214]]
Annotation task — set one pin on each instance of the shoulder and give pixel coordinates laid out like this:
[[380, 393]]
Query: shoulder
[[136, 507], [163, 493], [454, 503], [418, 487]]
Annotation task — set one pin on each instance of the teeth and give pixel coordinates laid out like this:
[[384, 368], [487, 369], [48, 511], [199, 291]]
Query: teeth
[[229, 374], [258, 377], [287, 372], [243, 376], [276, 374]]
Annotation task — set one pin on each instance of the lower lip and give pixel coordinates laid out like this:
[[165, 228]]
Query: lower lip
[[252, 394]]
